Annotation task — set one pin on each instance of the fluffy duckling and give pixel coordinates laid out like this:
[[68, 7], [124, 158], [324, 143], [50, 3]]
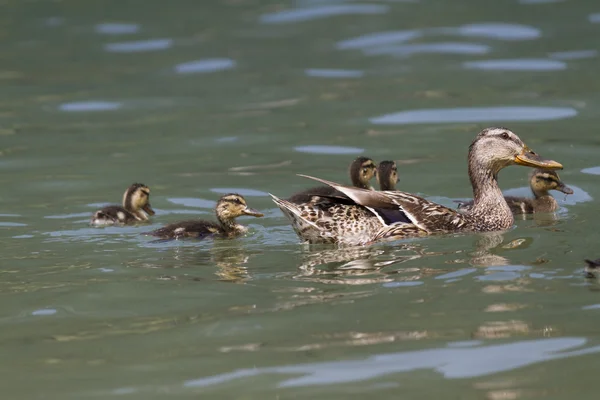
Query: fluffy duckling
[[361, 171], [387, 175], [229, 207], [136, 207], [541, 181], [592, 267]]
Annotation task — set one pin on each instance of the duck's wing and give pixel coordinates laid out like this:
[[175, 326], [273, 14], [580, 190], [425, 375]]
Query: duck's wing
[[424, 214]]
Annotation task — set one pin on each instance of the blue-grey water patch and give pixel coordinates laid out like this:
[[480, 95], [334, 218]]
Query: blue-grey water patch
[[591, 170], [10, 215], [401, 284], [67, 216], [517, 64], [242, 191], [116, 28], [450, 362], [22, 237], [139, 46], [378, 39], [465, 343], [475, 114], [333, 73], [500, 31], [12, 224], [591, 307], [91, 105], [53, 22], [192, 202], [539, 1], [321, 149], [574, 54], [594, 18], [433, 48], [503, 273], [312, 13], [457, 274], [205, 66]]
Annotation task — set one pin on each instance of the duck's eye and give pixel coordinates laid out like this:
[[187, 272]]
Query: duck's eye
[[505, 135], [365, 170]]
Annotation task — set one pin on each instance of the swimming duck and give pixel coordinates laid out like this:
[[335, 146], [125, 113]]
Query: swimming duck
[[366, 216], [136, 207], [387, 175], [540, 181], [361, 172], [229, 207]]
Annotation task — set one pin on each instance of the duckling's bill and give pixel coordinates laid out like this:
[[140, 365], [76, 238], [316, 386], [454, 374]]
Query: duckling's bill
[[530, 159], [148, 209], [252, 212]]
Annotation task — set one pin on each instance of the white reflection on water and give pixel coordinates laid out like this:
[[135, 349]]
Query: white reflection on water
[[436, 48], [451, 362], [518, 64], [333, 73], [574, 54], [92, 105], [205, 66], [115, 28], [501, 31], [311, 13], [591, 170], [594, 18], [474, 114], [138, 46], [377, 39]]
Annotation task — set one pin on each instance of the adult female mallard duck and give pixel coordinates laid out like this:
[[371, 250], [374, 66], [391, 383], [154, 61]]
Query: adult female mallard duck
[[366, 216], [541, 181], [387, 175], [361, 170], [136, 207], [229, 207]]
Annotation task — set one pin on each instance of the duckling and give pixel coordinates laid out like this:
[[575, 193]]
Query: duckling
[[387, 175], [540, 181], [136, 207], [229, 207], [592, 267], [361, 172]]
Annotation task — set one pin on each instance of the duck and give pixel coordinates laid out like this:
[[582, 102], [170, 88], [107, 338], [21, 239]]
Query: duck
[[228, 208], [387, 175], [361, 171], [363, 217], [136, 208], [541, 181]]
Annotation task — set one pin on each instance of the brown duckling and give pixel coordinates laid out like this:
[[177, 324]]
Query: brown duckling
[[229, 207], [361, 171], [541, 181], [592, 267], [136, 207], [387, 175]]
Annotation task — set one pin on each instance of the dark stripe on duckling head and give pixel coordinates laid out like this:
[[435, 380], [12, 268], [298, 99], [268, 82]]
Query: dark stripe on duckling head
[[362, 170], [232, 198], [387, 175]]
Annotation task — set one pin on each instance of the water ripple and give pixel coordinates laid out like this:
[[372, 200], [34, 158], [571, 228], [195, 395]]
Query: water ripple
[[574, 54], [112, 28], [92, 105], [594, 18], [319, 149], [451, 362], [139, 46], [205, 66], [333, 73], [474, 114], [436, 48], [378, 39], [501, 31], [518, 64], [312, 13], [591, 170]]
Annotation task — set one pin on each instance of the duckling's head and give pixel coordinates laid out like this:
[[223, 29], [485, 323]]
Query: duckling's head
[[233, 205], [362, 170], [543, 180], [496, 148], [137, 199], [387, 175]]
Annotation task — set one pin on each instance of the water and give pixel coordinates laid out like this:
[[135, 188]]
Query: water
[[198, 100]]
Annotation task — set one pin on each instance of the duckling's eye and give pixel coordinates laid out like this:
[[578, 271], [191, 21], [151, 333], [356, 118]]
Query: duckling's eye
[[505, 135], [365, 170]]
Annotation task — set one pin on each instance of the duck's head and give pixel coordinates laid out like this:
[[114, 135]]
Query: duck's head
[[137, 199], [387, 175], [497, 148], [233, 205], [362, 170], [544, 180]]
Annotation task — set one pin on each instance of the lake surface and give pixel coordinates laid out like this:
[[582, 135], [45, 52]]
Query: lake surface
[[196, 99]]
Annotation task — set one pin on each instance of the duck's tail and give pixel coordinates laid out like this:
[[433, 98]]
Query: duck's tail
[[291, 211]]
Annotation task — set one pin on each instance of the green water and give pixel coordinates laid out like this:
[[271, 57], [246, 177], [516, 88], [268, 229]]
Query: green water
[[107, 313]]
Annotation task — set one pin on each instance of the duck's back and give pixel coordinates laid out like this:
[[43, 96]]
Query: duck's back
[[191, 229], [111, 215], [306, 196]]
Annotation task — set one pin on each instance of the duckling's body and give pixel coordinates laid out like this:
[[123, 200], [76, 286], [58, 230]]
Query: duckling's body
[[361, 172], [387, 175], [136, 208], [365, 216], [541, 182], [229, 207]]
